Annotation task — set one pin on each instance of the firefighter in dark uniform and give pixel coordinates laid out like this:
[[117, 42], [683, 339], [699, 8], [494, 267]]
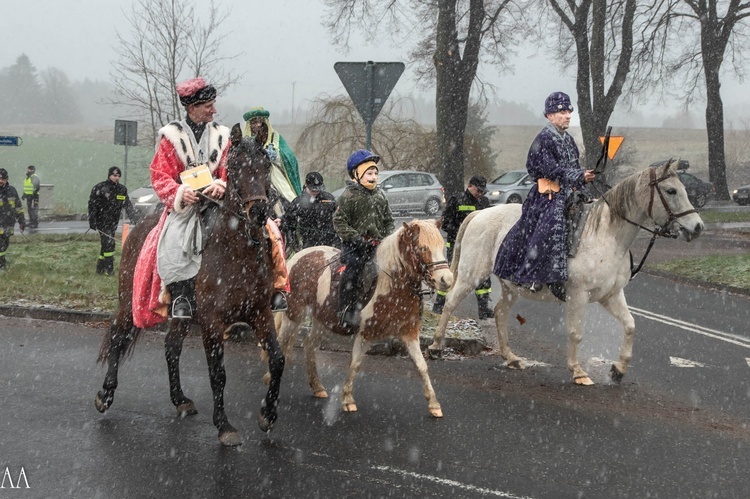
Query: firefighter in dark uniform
[[11, 210], [456, 211], [106, 202], [309, 219]]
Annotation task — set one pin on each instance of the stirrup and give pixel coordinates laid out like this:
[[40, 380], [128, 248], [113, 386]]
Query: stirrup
[[181, 308], [278, 302]]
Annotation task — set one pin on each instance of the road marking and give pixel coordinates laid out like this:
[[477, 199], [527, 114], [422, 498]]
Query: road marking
[[695, 328], [747, 359], [678, 362], [452, 483]]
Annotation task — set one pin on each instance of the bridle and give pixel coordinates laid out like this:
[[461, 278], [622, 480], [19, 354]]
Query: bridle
[[425, 269]]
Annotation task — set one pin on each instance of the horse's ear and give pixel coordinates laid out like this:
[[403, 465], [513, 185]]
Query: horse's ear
[[439, 223], [235, 137], [671, 166]]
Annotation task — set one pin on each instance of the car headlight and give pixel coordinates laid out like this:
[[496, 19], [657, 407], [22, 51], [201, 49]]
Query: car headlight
[[735, 191], [495, 193], [146, 198]]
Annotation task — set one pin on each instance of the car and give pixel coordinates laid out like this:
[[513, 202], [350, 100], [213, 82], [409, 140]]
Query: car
[[510, 187], [145, 200], [410, 191], [698, 191], [741, 195]]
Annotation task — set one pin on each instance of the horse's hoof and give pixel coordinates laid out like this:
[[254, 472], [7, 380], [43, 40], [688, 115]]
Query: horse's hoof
[[265, 424], [266, 378], [516, 364], [434, 353], [187, 409], [230, 439], [616, 374], [101, 404], [350, 407], [436, 413], [584, 381], [321, 394]]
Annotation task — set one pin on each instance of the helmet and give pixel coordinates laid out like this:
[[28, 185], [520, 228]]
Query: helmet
[[359, 157], [4, 173]]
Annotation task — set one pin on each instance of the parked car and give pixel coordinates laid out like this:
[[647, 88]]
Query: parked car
[[145, 200], [698, 191], [510, 187], [409, 191], [741, 195]]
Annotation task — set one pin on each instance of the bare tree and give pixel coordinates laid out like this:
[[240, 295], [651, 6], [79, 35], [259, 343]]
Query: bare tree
[[167, 42], [708, 37], [456, 35]]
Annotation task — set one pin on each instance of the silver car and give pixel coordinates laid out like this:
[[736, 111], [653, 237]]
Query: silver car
[[409, 191], [510, 187], [145, 200]]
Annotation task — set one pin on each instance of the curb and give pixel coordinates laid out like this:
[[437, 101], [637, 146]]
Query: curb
[[53, 314]]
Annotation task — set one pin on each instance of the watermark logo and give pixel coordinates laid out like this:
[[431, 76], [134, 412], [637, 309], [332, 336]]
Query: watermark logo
[[20, 480]]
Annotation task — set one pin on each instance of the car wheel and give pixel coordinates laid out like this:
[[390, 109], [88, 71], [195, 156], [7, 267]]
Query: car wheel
[[700, 200], [514, 199], [742, 203], [432, 206]]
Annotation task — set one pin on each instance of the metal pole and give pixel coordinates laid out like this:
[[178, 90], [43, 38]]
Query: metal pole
[[125, 169], [370, 69], [293, 84]]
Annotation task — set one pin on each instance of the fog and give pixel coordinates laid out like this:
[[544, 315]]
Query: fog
[[287, 58]]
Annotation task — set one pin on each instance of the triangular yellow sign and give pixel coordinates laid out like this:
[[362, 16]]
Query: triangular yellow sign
[[615, 141]]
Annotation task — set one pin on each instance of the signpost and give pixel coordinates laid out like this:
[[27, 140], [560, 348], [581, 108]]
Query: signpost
[[10, 141], [126, 134], [369, 84]]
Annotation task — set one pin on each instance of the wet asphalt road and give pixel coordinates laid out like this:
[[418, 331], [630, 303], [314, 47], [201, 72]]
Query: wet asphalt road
[[666, 431]]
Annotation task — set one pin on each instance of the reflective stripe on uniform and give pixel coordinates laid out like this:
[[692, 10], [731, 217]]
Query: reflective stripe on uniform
[[121, 197], [483, 291], [447, 244], [466, 207], [108, 254], [441, 293]]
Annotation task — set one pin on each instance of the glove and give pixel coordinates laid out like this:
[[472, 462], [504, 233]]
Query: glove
[[272, 154], [374, 242], [360, 243], [92, 225]]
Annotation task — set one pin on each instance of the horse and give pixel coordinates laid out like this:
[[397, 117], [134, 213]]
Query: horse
[[598, 272], [232, 290], [412, 254]]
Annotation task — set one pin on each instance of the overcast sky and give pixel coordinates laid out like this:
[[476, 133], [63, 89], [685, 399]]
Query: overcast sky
[[285, 51]]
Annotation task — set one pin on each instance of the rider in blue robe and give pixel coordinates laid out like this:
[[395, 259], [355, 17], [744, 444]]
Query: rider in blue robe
[[534, 251]]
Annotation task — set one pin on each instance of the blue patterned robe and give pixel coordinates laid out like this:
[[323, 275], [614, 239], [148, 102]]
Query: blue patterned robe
[[535, 248]]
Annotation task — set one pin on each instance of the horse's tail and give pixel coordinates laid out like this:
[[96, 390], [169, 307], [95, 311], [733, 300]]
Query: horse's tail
[[126, 339], [457, 247]]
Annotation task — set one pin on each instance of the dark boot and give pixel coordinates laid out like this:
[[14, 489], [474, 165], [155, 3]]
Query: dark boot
[[558, 290], [109, 265], [278, 301], [100, 266], [3, 265], [483, 307], [183, 299], [437, 307]]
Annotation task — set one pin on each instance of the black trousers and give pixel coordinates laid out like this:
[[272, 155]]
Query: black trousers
[[355, 258], [4, 243]]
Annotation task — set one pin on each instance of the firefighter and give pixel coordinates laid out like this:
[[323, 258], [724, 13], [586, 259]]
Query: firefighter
[[456, 211], [11, 210], [106, 202], [31, 195]]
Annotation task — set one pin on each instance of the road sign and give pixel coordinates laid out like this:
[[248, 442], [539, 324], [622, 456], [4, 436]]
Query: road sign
[[126, 133], [11, 141], [615, 141], [369, 84]]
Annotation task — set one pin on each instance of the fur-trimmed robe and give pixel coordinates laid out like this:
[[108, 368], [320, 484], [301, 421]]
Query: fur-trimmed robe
[[173, 154]]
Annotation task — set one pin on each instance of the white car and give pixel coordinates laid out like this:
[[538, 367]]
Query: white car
[[409, 191], [510, 187], [145, 200]]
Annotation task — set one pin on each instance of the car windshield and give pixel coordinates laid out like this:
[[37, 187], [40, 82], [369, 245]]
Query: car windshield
[[509, 178]]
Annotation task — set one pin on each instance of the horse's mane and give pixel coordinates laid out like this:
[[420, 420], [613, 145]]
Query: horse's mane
[[390, 258], [621, 200]]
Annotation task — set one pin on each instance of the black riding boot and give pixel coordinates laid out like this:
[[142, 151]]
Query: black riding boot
[[183, 298], [437, 306], [348, 310], [483, 307]]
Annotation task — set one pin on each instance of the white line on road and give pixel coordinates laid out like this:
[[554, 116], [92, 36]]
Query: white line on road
[[452, 483], [678, 362], [695, 328]]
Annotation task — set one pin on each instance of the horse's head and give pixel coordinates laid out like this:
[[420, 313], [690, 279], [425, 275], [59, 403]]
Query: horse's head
[[422, 242], [248, 176], [668, 203]]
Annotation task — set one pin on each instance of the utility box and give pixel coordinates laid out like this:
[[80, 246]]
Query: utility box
[[46, 197]]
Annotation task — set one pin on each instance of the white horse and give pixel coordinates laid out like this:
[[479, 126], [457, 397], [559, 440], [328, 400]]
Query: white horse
[[599, 271], [411, 255]]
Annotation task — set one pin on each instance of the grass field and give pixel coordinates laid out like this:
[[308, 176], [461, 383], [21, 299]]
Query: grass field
[[73, 159]]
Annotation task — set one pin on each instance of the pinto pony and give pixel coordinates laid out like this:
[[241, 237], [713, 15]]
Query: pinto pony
[[599, 271], [232, 290], [411, 255]]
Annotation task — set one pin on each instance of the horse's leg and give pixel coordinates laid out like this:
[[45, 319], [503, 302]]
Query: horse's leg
[[214, 349], [287, 335], [460, 290], [415, 353], [359, 348], [575, 313], [121, 334], [502, 313], [267, 338], [178, 329], [618, 307], [312, 343]]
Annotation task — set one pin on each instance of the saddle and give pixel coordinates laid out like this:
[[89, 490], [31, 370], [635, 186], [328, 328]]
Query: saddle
[[367, 280]]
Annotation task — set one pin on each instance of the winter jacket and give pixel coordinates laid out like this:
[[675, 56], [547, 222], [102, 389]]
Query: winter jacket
[[311, 220], [11, 209], [362, 214], [457, 209], [106, 202]]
